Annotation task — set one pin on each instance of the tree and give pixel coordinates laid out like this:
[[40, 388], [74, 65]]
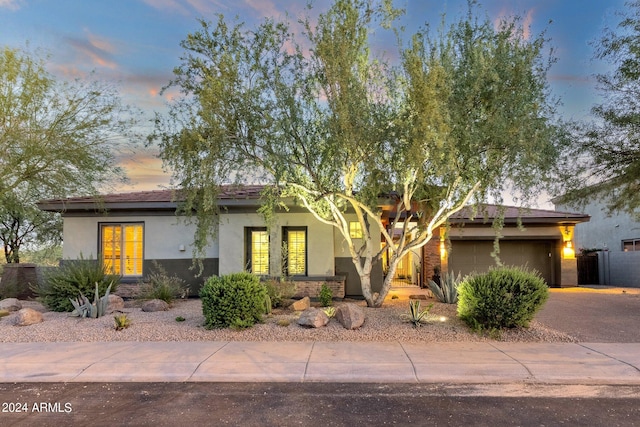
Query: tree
[[602, 158], [343, 132], [58, 140]]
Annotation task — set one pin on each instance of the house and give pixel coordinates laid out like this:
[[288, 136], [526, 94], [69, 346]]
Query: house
[[608, 246], [129, 231]]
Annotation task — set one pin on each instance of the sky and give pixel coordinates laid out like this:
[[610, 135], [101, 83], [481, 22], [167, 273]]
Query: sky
[[136, 44]]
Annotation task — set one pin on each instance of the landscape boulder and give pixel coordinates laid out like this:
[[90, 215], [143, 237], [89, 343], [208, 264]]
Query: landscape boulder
[[116, 303], [350, 315], [301, 304], [27, 316], [313, 318], [10, 304], [155, 305]]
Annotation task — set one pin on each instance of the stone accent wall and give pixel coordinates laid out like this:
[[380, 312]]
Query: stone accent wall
[[310, 286], [430, 258]]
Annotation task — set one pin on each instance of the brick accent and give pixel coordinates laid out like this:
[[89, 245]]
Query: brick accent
[[310, 287]]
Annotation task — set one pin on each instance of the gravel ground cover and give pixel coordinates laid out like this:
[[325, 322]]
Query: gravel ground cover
[[381, 324]]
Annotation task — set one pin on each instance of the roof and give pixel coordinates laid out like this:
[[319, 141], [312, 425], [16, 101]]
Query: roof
[[512, 214], [249, 195], [147, 200]]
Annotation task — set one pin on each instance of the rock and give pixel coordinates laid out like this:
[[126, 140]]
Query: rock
[[10, 304], [350, 315], [313, 318], [301, 304], [155, 305], [36, 305], [116, 303], [27, 316]]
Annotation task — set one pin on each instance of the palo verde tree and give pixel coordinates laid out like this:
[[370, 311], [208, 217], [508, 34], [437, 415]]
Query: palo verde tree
[[58, 139], [342, 132], [602, 158]]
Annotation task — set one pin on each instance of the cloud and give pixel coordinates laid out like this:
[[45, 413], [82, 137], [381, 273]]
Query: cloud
[[186, 7], [507, 14], [10, 4], [98, 50]]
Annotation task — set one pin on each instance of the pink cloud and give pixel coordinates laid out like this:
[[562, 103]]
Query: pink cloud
[[527, 21], [10, 4]]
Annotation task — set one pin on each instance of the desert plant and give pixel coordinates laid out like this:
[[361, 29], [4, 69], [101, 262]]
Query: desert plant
[[329, 311], [160, 285], [326, 295], [267, 304], [447, 290], [283, 322], [279, 291], [72, 278], [85, 308], [417, 316], [505, 297], [122, 321], [180, 319], [234, 300]]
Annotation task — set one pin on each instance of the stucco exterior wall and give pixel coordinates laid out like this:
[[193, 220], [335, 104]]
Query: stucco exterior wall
[[163, 236], [320, 260], [606, 233]]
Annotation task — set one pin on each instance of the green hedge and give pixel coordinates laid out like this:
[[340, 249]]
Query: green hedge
[[505, 297], [72, 278], [235, 300]]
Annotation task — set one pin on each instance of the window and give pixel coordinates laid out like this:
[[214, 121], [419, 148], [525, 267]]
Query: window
[[257, 249], [295, 240], [355, 230], [121, 246], [631, 245]]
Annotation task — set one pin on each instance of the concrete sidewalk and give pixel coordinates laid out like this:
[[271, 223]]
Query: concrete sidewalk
[[388, 362]]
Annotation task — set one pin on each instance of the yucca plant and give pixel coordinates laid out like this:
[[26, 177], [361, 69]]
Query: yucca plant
[[447, 290], [416, 316]]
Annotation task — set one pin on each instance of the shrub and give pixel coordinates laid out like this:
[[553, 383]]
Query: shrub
[[279, 291], [446, 290], [326, 295], [504, 297], [72, 278], [417, 316], [159, 285], [234, 300], [122, 321]]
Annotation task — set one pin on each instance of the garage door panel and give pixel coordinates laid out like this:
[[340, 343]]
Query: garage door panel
[[475, 256]]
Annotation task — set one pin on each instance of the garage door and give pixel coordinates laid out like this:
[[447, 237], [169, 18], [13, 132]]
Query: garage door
[[475, 256]]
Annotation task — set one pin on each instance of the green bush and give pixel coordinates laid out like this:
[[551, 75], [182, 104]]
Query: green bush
[[235, 300], [159, 285], [71, 279], [279, 291], [326, 295], [504, 297]]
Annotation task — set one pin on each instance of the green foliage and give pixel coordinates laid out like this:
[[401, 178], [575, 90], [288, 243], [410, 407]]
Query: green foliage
[[326, 295], [57, 139], [465, 116], [416, 316], [72, 278], [122, 321], [84, 308], [505, 297], [279, 291], [602, 154], [180, 319], [159, 285], [447, 290], [234, 300]]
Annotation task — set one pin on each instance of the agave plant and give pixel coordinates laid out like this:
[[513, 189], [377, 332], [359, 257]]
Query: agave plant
[[447, 290], [121, 321], [85, 308], [415, 315]]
